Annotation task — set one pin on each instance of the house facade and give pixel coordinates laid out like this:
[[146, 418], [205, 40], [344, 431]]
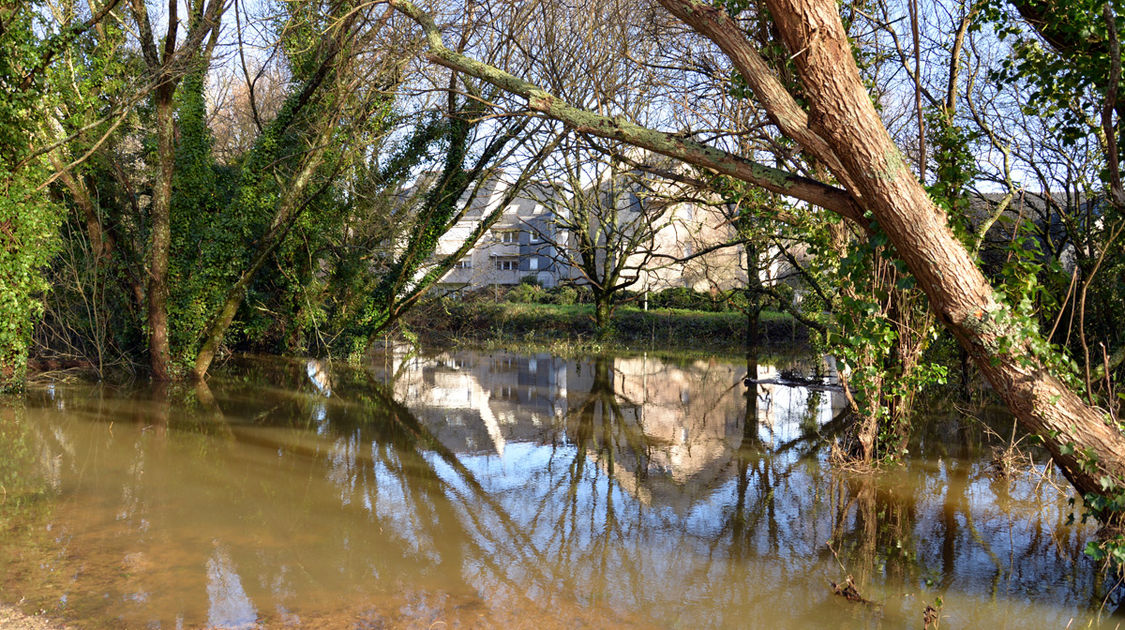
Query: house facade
[[521, 244], [528, 242]]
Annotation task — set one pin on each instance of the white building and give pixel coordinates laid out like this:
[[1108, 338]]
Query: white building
[[525, 240]]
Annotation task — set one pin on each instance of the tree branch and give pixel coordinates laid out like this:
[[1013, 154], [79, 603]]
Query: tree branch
[[616, 128], [782, 109]]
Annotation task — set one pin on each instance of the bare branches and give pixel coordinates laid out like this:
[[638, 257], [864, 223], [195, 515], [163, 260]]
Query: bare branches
[[780, 106], [1109, 106], [620, 129]]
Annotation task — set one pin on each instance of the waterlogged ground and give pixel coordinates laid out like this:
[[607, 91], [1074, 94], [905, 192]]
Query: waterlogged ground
[[502, 490]]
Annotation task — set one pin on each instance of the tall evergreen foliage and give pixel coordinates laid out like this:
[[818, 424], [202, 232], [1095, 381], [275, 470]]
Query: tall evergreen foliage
[[29, 219]]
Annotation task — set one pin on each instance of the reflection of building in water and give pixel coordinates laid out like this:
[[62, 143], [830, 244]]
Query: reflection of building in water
[[691, 417], [784, 412], [479, 403], [672, 430]]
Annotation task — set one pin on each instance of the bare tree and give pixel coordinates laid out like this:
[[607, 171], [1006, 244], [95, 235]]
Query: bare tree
[[239, 109], [605, 220]]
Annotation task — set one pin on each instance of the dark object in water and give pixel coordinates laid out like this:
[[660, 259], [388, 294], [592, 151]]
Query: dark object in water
[[792, 380], [930, 618], [848, 591]]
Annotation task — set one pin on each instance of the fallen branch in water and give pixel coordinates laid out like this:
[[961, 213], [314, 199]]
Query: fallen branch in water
[[809, 384], [848, 591], [931, 617]]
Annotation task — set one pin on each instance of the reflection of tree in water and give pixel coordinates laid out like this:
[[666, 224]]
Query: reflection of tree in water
[[25, 478], [749, 463], [601, 433], [380, 504], [761, 469], [454, 512], [600, 428], [514, 557], [29, 481], [874, 530], [431, 547]]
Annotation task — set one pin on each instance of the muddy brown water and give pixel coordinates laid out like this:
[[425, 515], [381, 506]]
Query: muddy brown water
[[517, 491]]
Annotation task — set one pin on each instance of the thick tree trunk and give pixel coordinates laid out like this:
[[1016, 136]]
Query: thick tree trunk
[[166, 67], [160, 237], [1079, 438], [753, 323], [602, 313]]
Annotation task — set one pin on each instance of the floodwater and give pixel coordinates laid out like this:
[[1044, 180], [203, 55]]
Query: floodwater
[[518, 491]]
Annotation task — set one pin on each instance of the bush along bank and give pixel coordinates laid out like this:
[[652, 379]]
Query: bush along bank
[[448, 321]]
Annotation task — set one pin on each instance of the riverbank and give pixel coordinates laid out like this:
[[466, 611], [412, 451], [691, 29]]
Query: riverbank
[[556, 326], [562, 329]]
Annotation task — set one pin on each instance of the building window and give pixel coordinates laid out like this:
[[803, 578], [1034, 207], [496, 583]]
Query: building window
[[533, 236], [464, 263], [508, 236], [533, 264], [507, 264]]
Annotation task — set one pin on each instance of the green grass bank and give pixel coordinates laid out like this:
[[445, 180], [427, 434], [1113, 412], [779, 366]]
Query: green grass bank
[[572, 325]]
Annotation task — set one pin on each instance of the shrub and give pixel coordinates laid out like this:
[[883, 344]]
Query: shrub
[[687, 299], [563, 296], [526, 293]]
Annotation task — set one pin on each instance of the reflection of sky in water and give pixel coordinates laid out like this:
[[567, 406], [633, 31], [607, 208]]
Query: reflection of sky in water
[[320, 417], [229, 607], [676, 482], [784, 412], [342, 470], [673, 510], [318, 374]]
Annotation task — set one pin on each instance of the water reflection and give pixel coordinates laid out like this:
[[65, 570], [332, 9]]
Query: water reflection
[[499, 489], [229, 606]]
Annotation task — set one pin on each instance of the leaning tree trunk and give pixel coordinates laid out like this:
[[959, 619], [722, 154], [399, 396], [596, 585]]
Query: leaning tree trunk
[[1079, 438], [289, 211]]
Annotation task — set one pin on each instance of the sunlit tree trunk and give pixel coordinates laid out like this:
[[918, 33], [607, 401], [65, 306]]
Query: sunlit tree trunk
[[1079, 438], [160, 237], [166, 67], [603, 313]]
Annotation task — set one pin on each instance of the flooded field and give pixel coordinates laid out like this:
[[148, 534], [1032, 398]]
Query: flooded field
[[506, 490]]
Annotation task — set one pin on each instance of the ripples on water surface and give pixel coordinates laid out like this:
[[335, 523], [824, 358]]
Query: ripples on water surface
[[505, 490]]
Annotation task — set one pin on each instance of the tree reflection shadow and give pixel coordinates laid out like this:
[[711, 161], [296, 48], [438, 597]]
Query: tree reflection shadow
[[655, 490]]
